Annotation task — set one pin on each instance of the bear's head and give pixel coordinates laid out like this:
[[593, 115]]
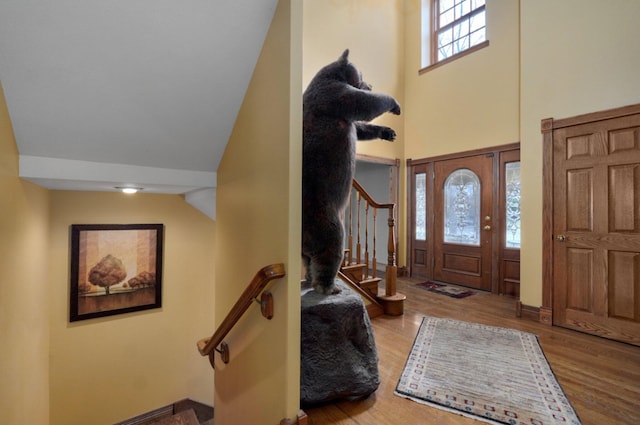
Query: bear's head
[[344, 71]]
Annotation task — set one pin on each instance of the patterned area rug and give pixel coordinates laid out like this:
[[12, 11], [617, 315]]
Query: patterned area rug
[[444, 289], [494, 375]]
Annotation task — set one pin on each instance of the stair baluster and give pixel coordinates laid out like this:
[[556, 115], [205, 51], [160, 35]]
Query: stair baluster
[[365, 274], [349, 255], [366, 240], [358, 246], [374, 261]]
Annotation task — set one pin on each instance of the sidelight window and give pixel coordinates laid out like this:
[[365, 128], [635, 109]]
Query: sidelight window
[[512, 203], [421, 206]]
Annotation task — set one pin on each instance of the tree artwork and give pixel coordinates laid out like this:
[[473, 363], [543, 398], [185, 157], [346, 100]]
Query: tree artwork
[[124, 259], [108, 272], [142, 280]]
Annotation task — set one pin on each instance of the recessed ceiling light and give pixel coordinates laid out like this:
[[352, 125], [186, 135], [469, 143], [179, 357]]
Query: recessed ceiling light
[[129, 189]]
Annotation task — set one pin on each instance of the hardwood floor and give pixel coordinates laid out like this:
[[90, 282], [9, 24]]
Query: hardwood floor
[[601, 378]]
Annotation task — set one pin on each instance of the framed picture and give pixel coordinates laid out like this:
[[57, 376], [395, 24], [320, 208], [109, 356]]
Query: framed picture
[[115, 269]]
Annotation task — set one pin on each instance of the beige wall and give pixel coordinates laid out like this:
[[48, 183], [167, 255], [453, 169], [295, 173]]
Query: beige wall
[[110, 369], [24, 289], [572, 63], [258, 219], [470, 103]]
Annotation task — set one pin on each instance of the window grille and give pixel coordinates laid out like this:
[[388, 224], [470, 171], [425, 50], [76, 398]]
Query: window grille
[[457, 26]]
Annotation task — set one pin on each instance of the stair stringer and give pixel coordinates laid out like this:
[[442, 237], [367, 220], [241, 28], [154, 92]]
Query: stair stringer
[[374, 308]]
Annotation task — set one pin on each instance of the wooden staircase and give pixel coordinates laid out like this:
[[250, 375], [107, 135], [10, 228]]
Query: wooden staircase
[[359, 273], [183, 412], [187, 417], [360, 265]]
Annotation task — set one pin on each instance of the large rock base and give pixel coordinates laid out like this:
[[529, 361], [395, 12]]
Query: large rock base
[[339, 359]]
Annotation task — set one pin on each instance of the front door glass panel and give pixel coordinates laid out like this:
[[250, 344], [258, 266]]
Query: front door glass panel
[[462, 208]]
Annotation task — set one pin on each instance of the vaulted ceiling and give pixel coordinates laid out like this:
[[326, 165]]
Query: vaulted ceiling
[[106, 93]]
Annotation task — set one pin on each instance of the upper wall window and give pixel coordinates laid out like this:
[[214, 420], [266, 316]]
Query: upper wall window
[[454, 27]]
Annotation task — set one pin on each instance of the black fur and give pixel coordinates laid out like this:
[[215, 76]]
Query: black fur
[[336, 107]]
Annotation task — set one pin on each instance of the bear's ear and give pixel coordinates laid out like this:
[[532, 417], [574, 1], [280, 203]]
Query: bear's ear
[[345, 56]]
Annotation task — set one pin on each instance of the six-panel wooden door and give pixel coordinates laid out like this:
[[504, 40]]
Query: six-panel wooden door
[[596, 228]]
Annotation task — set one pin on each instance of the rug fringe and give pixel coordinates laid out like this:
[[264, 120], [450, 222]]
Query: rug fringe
[[448, 409]]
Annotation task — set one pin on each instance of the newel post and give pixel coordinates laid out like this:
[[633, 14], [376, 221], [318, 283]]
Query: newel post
[[392, 268]]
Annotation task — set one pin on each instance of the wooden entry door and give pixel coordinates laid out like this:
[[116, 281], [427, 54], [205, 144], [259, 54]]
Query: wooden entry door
[[596, 227], [463, 221]]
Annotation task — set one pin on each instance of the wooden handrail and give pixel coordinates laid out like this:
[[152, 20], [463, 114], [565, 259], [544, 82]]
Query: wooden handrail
[[391, 240], [357, 186], [207, 346], [390, 297]]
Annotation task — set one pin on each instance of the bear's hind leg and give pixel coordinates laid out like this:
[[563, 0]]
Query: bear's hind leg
[[306, 263], [323, 270]]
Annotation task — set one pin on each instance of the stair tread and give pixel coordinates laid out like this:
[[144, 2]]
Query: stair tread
[[186, 417], [370, 279], [354, 266], [396, 297]]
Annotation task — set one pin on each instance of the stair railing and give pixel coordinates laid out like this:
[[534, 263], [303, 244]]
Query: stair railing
[[391, 270], [209, 346]]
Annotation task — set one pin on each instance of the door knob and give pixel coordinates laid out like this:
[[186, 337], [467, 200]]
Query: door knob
[[487, 227], [561, 238]]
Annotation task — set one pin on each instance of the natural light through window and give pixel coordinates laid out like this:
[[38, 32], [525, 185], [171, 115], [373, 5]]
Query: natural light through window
[[458, 26], [462, 208], [421, 206], [512, 202]]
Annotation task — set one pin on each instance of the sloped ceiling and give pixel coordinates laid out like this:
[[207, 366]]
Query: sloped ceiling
[[106, 93]]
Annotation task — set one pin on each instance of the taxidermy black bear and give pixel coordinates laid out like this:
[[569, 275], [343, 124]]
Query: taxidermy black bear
[[336, 107]]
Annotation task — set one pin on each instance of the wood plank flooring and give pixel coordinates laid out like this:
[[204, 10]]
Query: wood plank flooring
[[600, 377]]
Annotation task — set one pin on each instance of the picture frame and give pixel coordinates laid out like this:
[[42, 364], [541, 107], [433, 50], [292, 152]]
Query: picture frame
[[115, 269]]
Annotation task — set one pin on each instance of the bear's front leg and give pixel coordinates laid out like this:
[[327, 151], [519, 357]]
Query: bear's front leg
[[365, 131], [395, 109]]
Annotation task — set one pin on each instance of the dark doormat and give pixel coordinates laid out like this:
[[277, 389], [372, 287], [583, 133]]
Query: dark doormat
[[452, 291]]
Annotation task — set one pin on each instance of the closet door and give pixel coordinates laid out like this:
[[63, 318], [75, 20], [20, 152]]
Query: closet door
[[596, 228]]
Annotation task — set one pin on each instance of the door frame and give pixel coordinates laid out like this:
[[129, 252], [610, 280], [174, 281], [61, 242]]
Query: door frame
[[456, 262], [547, 126], [394, 190], [394, 172], [428, 164]]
